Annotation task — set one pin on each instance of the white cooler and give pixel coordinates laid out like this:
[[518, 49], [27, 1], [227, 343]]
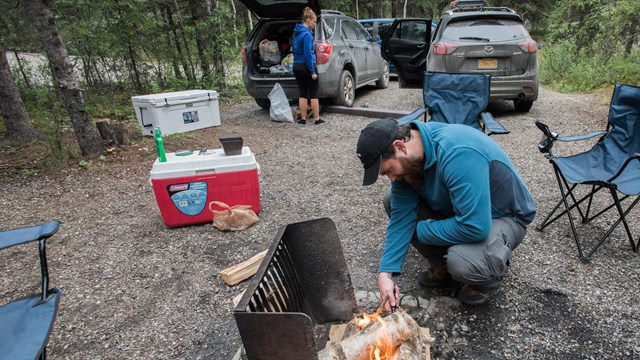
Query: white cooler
[[177, 112]]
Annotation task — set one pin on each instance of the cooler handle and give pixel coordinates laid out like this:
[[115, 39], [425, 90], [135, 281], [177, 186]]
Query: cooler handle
[[142, 118]]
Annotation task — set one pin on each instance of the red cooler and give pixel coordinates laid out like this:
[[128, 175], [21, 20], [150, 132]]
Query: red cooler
[[188, 181]]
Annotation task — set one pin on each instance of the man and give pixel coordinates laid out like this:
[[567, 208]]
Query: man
[[454, 196]]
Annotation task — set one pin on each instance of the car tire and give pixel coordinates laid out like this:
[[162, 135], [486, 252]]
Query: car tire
[[263, 103], [522, 105], [383, 81], [346, 90]]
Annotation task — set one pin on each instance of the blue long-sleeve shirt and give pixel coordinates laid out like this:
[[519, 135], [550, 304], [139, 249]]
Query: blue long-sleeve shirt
[[303, 51], [469, 179]]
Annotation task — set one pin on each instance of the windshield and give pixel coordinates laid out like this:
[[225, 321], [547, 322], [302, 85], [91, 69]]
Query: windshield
[[485, 29]]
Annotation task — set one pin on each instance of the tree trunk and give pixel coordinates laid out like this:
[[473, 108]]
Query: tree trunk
[[200, 40], [187, 63], [16, 120], [176, 42], [41, 16]]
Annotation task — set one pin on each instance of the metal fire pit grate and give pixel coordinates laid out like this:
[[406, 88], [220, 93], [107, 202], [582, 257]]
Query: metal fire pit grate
[[302, 283]]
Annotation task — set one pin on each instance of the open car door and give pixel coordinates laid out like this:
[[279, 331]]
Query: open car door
[[406, 45]]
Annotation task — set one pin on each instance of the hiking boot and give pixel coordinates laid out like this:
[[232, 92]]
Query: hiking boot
[[319, 121], [470, 296], [432, 277], [302, 122]]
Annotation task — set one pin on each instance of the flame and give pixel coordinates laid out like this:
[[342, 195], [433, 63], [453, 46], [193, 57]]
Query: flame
[[383, 349]]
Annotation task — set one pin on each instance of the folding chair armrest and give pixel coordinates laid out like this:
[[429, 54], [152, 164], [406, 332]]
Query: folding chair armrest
[[25, 235], [413, 116], [635, 156], [491, 125], [580, 137]]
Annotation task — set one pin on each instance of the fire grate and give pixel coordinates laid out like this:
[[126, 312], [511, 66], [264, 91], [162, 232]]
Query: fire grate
[[302, 283]]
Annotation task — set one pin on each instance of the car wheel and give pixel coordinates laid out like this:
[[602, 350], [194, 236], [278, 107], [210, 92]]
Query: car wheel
[[347, 90], [383, 81], [263, 103], [522, 105]]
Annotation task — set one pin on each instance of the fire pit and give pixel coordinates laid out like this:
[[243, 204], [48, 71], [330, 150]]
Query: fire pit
[[300, 289]]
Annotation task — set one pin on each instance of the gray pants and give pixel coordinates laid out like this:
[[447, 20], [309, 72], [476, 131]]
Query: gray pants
[[482, 264]]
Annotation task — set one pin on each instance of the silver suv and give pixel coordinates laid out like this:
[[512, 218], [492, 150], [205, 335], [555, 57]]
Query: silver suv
[[470, 38], [347, 57]]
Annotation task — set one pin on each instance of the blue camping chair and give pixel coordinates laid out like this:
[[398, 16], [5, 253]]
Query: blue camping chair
[[26, 323], [457, 99], [612, 164]]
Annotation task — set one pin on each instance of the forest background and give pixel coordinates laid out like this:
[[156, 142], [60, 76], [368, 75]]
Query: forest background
[[103, 52]]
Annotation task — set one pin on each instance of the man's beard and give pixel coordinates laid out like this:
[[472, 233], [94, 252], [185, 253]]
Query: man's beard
[[413, 173]]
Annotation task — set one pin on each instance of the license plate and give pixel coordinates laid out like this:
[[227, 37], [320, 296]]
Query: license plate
[[487, 63]]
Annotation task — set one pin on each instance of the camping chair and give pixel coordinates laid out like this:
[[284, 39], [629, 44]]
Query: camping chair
[[26, 323], [457, 99], [612, 164]]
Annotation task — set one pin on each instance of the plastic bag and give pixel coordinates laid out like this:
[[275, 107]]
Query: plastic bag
[[269, 53], [280, 110], [287, 64], [234, 218]]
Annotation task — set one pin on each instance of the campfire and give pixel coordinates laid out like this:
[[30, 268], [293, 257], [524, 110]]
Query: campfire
[[372, 337], [301, 288]]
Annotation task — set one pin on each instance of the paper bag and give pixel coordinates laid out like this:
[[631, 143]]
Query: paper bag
[[237, 217]]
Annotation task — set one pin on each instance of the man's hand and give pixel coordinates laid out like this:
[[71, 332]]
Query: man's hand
[[314, 76], [387, 287]]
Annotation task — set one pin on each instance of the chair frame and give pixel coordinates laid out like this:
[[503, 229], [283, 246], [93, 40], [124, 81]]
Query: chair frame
[[48, 297], [568, 194]]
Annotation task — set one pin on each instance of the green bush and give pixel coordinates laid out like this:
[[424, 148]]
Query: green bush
[[564, 68]]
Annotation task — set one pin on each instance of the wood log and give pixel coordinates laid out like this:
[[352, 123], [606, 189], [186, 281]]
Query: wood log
[[115, 133], [121, 134], [106, 132], [399, 331], [242, 271]]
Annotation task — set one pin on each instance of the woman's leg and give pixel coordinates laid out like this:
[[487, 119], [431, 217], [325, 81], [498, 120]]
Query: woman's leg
[[302, 103], [315, 108]]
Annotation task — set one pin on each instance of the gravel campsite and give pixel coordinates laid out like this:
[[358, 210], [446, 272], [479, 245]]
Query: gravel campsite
[[132, 288]]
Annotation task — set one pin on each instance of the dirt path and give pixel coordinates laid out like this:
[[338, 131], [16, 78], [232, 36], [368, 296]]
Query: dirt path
[[134, 288]]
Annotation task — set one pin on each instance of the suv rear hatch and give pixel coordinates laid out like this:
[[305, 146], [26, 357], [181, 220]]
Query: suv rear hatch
[[504, 48], [277, 9]]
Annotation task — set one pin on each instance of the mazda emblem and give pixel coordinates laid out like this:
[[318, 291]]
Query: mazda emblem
[[488, 50]]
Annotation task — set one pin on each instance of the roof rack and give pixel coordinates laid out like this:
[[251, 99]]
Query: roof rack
[[334, 12], [459, 9]]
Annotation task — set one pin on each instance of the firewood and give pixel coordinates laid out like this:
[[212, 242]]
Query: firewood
[[236, 299], [242, 271], [399, 329]]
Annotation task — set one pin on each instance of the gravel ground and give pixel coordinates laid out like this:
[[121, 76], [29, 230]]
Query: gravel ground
[[133, 288]]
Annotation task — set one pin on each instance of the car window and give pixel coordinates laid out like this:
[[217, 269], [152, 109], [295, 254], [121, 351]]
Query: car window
[[490, 29], [353, 30], [413, 31], [347, 31], [359, 31], [368, 25], [383, 29], [329, 27]]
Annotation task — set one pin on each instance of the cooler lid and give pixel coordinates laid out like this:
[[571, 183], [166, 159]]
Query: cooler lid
[[169, 98], [202, 163]]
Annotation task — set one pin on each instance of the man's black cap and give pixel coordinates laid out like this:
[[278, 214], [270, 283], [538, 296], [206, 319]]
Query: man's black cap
[[374, 140]]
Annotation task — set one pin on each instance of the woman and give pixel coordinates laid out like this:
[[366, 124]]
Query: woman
[[304, 66]]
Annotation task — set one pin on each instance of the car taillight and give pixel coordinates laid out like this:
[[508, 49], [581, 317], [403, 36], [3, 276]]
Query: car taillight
[[323, 52], [444, 49], [529, 46], [243, 52]]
